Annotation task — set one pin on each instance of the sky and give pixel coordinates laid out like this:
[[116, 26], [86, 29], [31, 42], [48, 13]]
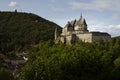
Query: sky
[[100, 15]]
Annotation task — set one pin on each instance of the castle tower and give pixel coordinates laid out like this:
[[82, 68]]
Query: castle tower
[[56, 33], [57, 36], [81, 25]]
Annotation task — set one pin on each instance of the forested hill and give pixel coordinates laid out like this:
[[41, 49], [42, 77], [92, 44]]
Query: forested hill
[[23, 29], [117, 37]]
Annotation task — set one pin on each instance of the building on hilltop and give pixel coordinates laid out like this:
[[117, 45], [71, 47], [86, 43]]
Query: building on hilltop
[[76, 30]]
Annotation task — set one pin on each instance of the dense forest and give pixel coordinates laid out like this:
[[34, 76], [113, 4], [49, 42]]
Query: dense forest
[[20, 30], [50, 61], [81, 61]]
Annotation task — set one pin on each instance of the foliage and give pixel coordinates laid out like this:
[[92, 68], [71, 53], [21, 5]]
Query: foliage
[[82, 61], [5, 74], [21, 30]]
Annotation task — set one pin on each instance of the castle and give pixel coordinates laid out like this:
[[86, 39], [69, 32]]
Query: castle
[[76, 30]]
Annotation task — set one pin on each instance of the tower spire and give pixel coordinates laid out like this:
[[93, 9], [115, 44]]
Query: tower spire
[[81, 15]]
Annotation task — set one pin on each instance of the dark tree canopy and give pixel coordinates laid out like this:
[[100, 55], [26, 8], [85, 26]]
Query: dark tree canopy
[[18, 30], [82, 61]]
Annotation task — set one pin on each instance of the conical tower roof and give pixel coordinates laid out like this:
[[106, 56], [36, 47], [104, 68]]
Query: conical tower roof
[[81, 21], [84, 22]]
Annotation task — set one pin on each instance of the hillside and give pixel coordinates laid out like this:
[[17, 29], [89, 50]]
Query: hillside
[[117, 37], [20, 30]]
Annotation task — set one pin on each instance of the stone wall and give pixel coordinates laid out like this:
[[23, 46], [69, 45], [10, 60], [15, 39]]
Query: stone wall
[[85, 37], [102, 37], [68, 40]]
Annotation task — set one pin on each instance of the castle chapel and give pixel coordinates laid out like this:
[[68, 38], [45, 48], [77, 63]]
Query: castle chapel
[[76, 30]]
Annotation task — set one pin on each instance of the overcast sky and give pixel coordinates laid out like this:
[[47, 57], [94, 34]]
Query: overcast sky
[[100, 15]]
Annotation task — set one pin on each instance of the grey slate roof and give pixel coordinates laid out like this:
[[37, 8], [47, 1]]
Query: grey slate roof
[[99, 33]]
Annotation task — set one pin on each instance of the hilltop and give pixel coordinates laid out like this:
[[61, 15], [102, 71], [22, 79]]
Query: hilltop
[[20, 30]]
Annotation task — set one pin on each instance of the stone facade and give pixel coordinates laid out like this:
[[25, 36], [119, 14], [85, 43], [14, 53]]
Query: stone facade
[[76, 30]]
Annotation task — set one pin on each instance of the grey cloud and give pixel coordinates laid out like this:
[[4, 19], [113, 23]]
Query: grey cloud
[[96, 5]]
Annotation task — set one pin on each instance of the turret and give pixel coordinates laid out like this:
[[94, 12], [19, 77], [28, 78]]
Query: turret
[[56, 33], [81, 24]]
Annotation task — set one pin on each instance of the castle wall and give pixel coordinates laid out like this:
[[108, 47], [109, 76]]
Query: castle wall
[[85, 37], [64, 30], [105, 38], [68, 40], [63, 39]]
